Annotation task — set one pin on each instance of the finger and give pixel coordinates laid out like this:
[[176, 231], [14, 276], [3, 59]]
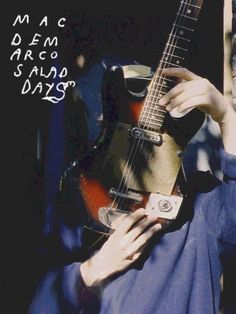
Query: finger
[[181, 73], [194, 102], [117, 221], [139, 228], [183, 97], [137, 254], [174, 92], [143, 239], [128, 221]]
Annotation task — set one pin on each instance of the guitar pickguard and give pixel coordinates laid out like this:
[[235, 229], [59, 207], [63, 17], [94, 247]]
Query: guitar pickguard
[[143, 166]]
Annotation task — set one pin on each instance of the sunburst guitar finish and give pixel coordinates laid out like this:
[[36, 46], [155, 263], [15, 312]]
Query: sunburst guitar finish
[[137, 159]]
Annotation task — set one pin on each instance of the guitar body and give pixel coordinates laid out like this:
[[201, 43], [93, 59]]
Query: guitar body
[[136, 161], [124, 172]]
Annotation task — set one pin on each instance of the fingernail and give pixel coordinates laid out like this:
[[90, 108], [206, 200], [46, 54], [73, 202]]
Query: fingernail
[[158, 226], [140, 211], [168, 108], [162, 102], [152, 218]]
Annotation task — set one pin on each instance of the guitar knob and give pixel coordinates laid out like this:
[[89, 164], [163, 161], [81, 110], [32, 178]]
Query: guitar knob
[[164, 205]]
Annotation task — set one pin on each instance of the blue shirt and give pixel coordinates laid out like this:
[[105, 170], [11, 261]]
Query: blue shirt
[[179, 273]]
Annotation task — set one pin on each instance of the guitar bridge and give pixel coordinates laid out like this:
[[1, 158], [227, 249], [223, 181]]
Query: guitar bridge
[[129, 195]]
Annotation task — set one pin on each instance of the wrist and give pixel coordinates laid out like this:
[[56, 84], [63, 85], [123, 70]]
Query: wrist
[[228, 131], [92, 276], [228, 116]]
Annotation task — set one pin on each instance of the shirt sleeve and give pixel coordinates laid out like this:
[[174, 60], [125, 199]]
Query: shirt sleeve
[[227, 219], [59, 254], [217, 202], [61, 291]]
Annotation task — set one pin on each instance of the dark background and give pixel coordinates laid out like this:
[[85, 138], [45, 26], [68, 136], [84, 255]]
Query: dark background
[[132, 34]]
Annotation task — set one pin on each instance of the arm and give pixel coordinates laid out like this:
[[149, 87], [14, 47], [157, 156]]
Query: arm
[[73, 286], [197, 92], [61, 290]]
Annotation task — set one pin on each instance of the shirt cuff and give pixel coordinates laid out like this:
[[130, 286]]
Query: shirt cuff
[[75, 290], [228, 164]]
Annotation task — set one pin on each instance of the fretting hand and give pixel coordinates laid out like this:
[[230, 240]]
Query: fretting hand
[[194, 91]]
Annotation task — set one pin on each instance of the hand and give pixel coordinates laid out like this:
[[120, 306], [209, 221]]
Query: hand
[[194, 91], [124, 247]]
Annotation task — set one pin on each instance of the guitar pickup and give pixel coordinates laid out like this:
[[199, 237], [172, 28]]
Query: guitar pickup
[[147, 135]]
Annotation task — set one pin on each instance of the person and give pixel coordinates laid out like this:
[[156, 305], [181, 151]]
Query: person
[[141, 268]]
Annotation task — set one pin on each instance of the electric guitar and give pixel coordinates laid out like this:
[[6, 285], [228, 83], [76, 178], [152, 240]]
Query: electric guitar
[[136, 161]]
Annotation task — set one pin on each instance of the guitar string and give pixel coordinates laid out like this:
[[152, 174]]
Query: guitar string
[[151, 94], [156, 81]]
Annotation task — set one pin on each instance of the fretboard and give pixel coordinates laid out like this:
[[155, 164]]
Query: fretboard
[[174, 54]]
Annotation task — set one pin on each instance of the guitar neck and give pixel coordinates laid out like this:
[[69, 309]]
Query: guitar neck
[[174, 54]]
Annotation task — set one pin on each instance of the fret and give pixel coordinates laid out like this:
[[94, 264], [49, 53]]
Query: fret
[[161, 110], [177, 47], [151, 119], [163, 80], [174, 53], [155, 118], [161, 93], [183, 33], [175, 41], [169, 80], [155, 95], [171, 64], [154, 113], [149, 123], [167, 55], [164, 83], [162, 87], [184, 27], [159, 84], [151, 126], [152, 91], [152, 99], [154, 108], [191, 5], [156, 77], [179, 37], [186, 16], [157, 109], [191, 12]]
